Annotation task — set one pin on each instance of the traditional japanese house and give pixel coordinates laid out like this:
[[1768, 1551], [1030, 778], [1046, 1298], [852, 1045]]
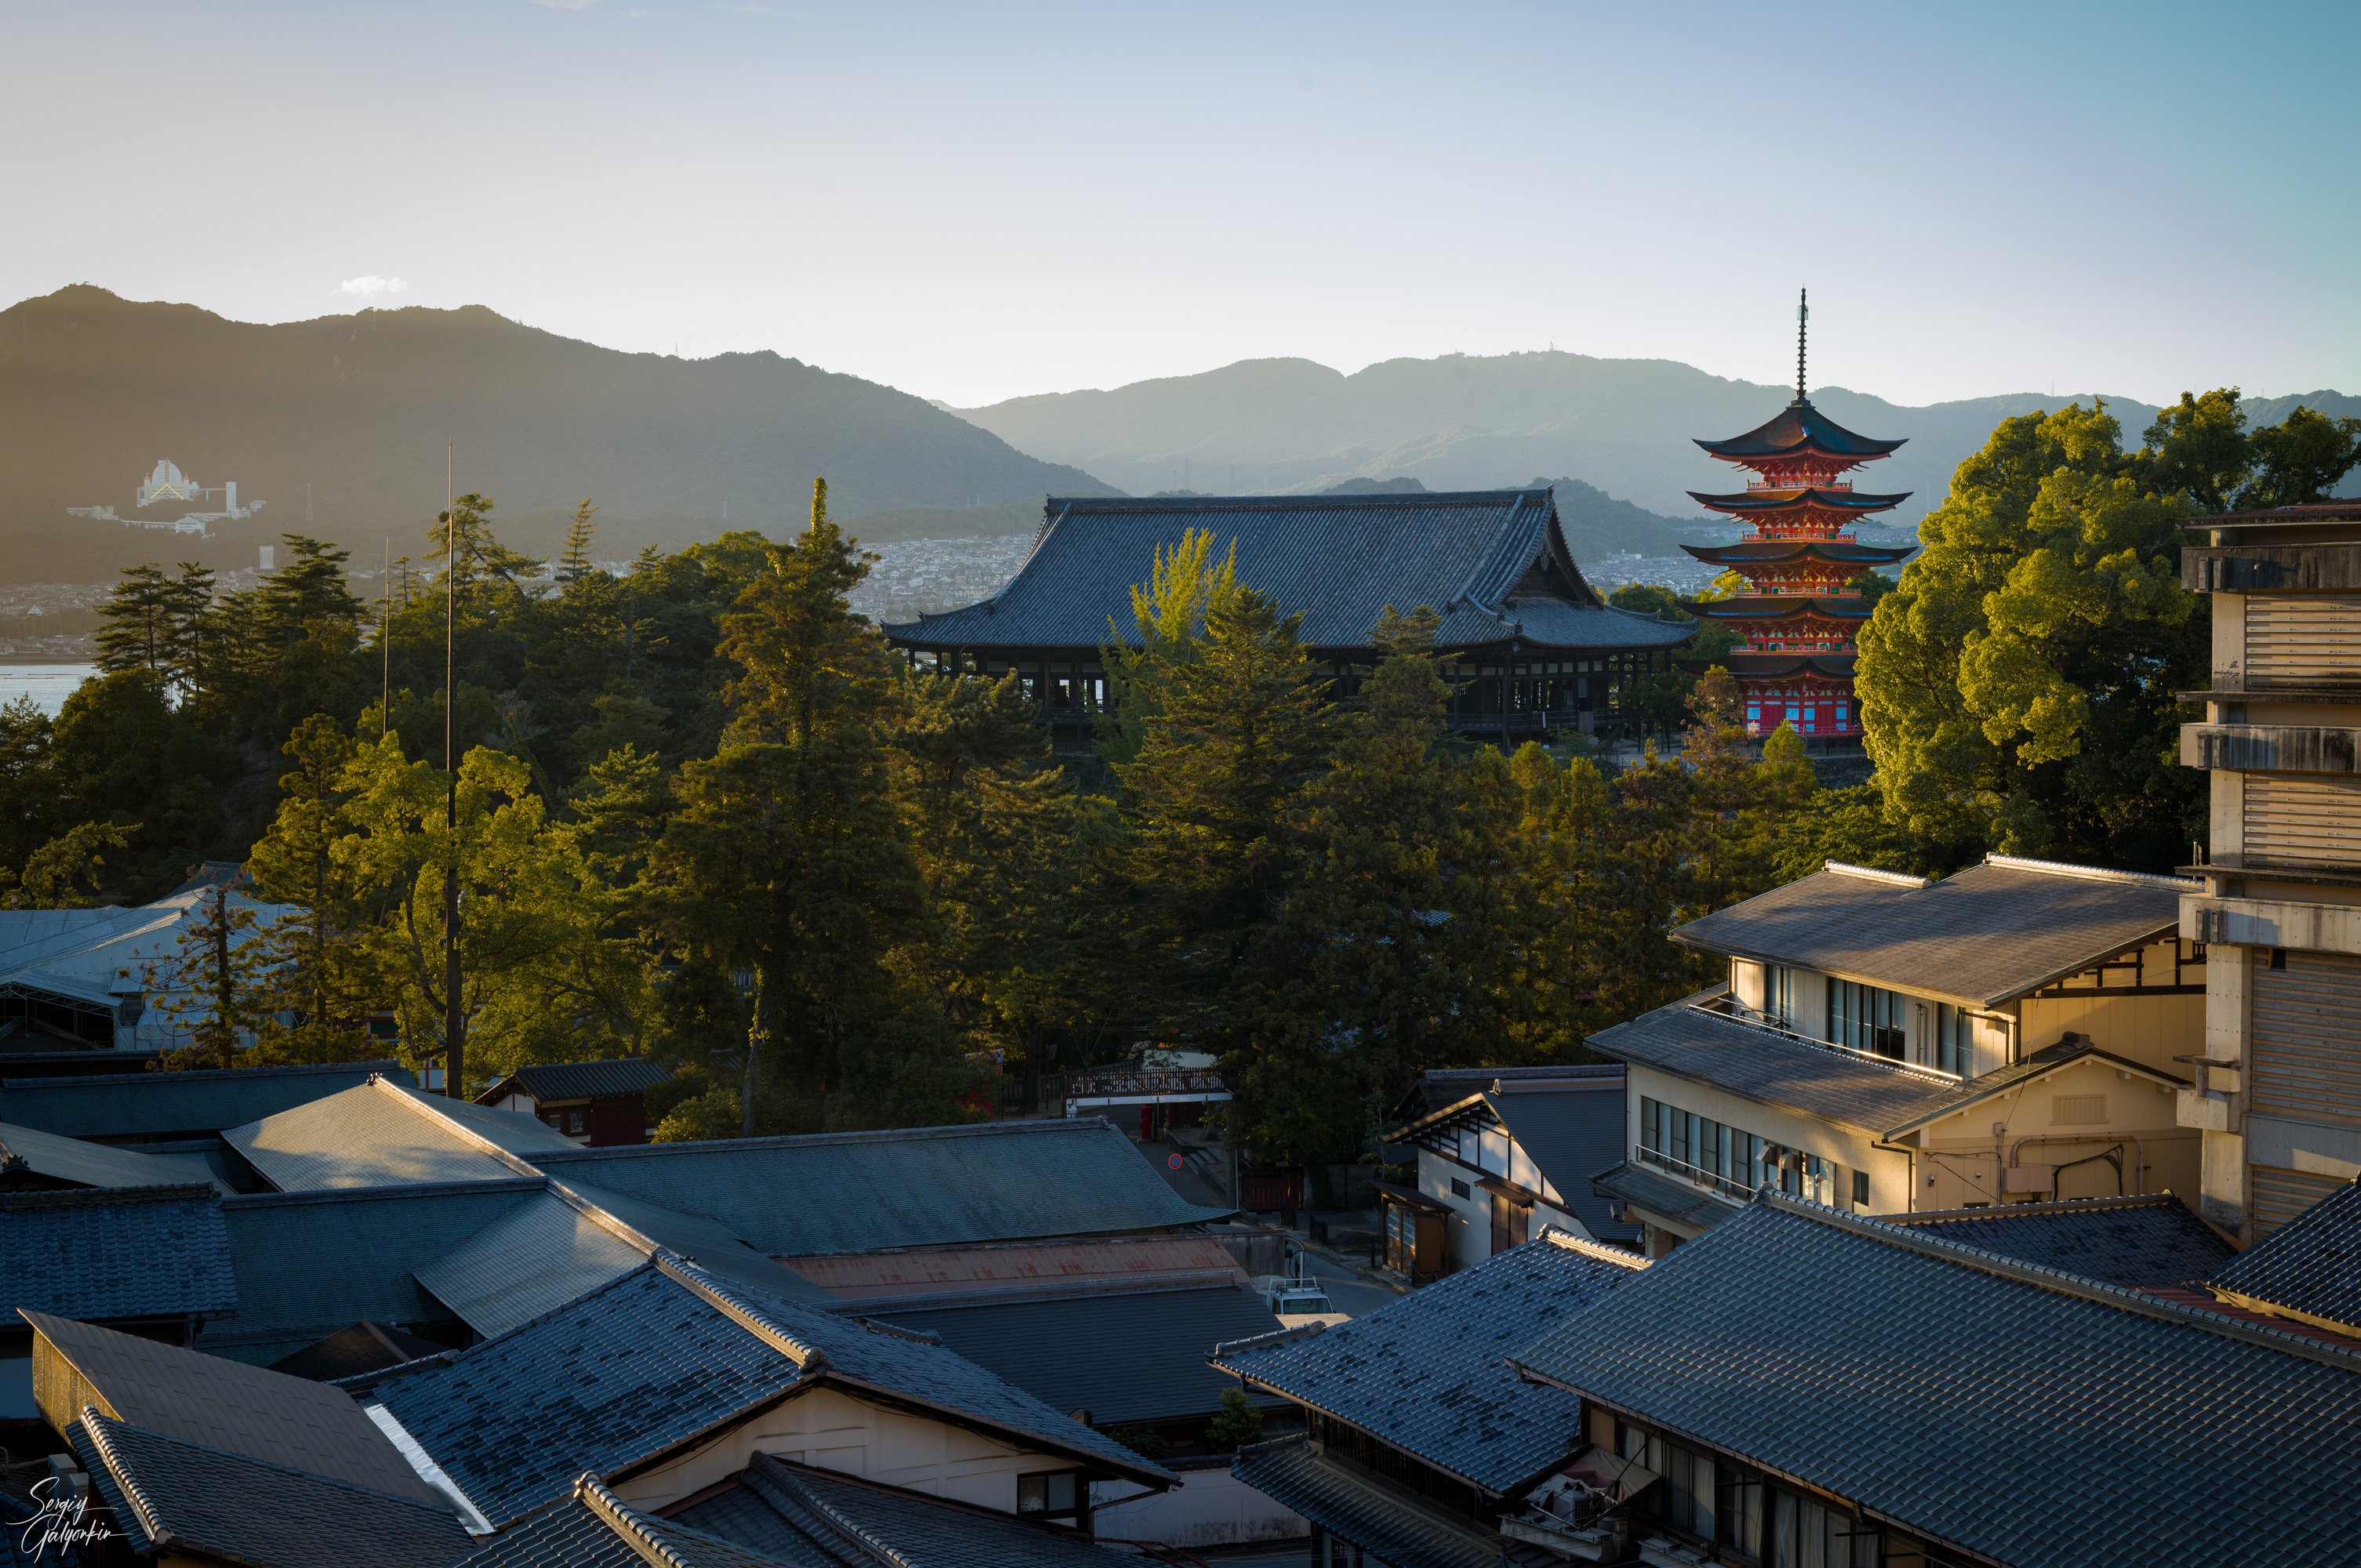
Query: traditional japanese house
[[1800, 612], [1886, 1044], [1534, 648], [1420, 1437], [597, 1103], [2278, 1097], [1808, 1386]]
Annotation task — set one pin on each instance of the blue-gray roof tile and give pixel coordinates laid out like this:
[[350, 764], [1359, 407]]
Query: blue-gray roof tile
[[594, 1528], [1340, 560], [579, 1079], [1371, 1514], [2135, 1242], [2310, 1268], [1428, 1374], [2079, 1422], [117, 1254]]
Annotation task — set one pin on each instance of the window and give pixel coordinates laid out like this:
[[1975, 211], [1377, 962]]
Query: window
[[1779, 993], [1459, 1188], [1865, 1018], [1955, 1039], [1054, 1494], [1860, 1188]]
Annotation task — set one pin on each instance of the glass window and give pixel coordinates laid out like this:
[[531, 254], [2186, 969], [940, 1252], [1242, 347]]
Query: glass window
[[1651, 1138], [1865, 1017], [1779, 993], [1049, 1495], [1954, 1039]]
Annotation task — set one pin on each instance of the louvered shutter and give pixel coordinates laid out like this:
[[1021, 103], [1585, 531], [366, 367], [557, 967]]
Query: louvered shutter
[[2290, 820], [2302, 641]]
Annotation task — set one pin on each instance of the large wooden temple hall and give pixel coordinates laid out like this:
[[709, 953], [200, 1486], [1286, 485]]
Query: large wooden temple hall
[[1537, 650]]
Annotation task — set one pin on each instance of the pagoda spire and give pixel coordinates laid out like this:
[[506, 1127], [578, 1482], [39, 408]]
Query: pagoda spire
[[1803, 316]]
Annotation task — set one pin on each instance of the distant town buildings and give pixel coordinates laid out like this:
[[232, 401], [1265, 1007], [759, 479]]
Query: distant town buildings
[[166, 484]]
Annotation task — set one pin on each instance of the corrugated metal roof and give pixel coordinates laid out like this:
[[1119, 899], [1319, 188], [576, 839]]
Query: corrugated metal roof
[[246, 1411], [1990, 933], [669, 1351], [1368, 1512], [579, 1079], [2136, 1242], [1340, 560], [161, 1104], [2077, 1422], [97, 1165], [2309, 1266], [544, 1253], [310, 1263], [379, 1135], [804, 1515], [117, 1252], [192, 1501], [879, 1276], [1427, 1374], [839, 1192], [1124, 1357]]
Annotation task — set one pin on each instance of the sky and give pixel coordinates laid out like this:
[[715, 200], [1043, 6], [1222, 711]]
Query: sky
[[978, 201]]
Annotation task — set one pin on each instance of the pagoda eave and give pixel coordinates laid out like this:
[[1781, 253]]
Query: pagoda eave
[[1803, 499], [1767, 608], [1785, 553]]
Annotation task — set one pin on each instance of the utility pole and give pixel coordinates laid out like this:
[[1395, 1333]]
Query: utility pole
[[455, 1048], [385, 644]]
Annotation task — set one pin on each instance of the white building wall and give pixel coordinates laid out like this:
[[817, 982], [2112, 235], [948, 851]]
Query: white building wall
[[1211, 1507], [833, 1430]]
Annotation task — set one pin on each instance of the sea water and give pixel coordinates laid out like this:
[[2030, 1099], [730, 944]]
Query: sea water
[[48, 684]]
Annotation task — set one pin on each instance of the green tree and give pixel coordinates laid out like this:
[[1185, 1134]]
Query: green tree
[[75, 856], [323, 971], [574, 563], [1235, 1425], [2018, 687], [217, 985], [1168, 612]]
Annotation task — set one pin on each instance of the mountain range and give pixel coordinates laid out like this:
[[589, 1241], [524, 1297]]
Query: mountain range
[[349, 411], [1466, 422]]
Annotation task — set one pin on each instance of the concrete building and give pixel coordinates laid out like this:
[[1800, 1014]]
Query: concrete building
[[2278, 1101]]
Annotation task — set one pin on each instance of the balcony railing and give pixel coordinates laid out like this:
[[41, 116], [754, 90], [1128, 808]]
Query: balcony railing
[[1697, 1174], [1726, 1006]]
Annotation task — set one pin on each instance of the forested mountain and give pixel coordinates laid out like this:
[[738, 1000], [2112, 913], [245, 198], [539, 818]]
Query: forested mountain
[[1468, 423], [95, 390]]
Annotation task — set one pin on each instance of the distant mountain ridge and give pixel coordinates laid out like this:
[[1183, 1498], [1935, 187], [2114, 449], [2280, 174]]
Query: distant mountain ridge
[[94, 390], [1624, 426]]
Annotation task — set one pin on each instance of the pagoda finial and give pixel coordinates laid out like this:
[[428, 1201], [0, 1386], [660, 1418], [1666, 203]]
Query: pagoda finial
[[1803, 315]]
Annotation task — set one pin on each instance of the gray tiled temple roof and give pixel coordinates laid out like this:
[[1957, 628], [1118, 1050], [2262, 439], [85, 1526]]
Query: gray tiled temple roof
[[581, 1079], [2080, 1422], [1979, 938], [1340, 560], [188, 1500], [2308, 1267], [1428, 1374], [158, 1252], [2153, 1240]]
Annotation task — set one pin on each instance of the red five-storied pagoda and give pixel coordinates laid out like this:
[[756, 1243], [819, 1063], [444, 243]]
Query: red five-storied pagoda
[[1799, 615]]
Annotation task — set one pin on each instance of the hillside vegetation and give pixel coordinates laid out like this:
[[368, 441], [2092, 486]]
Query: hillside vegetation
[[94, 390]]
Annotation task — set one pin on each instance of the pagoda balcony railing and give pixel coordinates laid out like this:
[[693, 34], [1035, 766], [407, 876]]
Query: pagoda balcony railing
[[1799, 484]]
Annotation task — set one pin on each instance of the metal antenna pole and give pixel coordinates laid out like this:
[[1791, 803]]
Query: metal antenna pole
[[455, 1050], [1803, 315]]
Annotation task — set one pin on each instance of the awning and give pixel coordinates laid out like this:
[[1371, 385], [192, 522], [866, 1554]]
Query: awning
[[1411, 1200]]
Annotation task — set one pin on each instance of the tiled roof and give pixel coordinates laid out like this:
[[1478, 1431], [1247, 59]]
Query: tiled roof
[[1427, 1374], [1124, 1357], [885, 1281], [310, 1263], [630, 1371], [1440, 1086], [804, 1515], [379, 1135], [1375, 1515], [2133, 1242], [592, 1527], [160, 1104], [158, 1253], [190, 1501], [2078, 1422], [1766, 1065], [836, 1193], [1792, 429], [2308, 1267], [1340, 560], [96, 1165], [205, 1400], [579, 1079], [1988, 933]]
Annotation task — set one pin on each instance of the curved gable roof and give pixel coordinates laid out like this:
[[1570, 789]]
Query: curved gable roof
[[1795, 430]]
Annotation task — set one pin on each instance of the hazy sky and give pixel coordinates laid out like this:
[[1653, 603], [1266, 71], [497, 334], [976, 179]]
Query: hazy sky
[[977, 202]]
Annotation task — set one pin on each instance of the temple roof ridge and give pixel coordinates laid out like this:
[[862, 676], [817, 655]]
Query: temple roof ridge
[[1795, 429]]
